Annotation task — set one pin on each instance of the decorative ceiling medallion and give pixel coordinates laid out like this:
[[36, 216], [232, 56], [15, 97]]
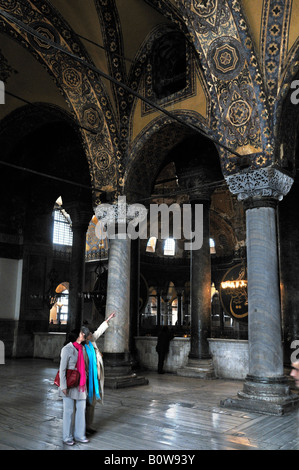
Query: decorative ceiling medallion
[[205, 8], [207, 15], [225, 58], [46, 30], [91, 118], [239, 113], [8, 4], [72, 78], [103, 160]]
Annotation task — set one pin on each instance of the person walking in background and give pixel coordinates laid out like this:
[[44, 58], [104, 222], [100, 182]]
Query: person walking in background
[[162, 348], [74, 399], [94, 368]]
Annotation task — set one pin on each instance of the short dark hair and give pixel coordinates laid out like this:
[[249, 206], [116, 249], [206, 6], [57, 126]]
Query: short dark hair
[[85, 330]]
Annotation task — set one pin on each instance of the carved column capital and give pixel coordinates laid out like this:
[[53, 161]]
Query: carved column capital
[[119, 214], [265, 184]]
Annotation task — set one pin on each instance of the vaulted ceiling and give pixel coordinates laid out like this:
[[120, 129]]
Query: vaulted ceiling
[[95, 66]]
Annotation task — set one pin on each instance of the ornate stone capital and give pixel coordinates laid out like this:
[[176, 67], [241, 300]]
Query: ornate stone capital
[[109, 214], [119, 214], [258, 184]]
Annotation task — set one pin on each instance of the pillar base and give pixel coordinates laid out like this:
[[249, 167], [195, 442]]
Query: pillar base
[[265, 395], [118, 372]]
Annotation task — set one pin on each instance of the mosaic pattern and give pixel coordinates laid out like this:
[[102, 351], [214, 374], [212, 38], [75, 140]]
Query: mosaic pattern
[[113, 42], [45, 30], [81, 88], [242, 96], [224, 58], [274, 42], [96, 241]]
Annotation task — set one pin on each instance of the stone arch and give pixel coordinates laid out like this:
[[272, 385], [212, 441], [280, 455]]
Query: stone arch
[[37, 164], [81, 87], [151, 151], [286, 115], [236, 88], [31, 117]]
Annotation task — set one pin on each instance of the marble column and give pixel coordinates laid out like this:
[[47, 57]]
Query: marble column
[[158, 307], [179, 307], [117, 354], [81, 215], [264, 322], [196, 181], [116, 343], [265, 388], [134, 293], [200, 277], [289, 256]]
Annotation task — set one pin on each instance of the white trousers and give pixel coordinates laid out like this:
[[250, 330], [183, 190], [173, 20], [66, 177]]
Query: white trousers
[[73, 419]]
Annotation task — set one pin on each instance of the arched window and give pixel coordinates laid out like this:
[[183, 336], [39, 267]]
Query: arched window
[[151, 245], [62, 229], [63, 306], [212, 246], [169, 64], [59, 311], [169, 247]]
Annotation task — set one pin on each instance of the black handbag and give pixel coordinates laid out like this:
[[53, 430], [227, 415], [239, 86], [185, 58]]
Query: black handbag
[[72, 378]]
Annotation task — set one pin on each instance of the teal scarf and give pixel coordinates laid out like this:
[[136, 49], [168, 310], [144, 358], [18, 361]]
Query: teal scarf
[[93, 383]]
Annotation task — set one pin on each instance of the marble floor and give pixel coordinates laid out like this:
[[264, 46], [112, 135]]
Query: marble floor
[[169, 414]]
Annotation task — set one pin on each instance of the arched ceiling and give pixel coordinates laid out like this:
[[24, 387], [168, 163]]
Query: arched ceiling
[[237, 103]]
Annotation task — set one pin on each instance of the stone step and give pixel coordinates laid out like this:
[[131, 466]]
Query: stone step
[[195, 373], [131, 380], [200, 364], [200, 368]]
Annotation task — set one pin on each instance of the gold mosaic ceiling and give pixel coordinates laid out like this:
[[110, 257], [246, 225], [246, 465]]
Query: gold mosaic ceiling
[[234, 96]]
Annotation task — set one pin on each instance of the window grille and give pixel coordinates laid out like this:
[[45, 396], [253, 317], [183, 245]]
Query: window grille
[[169, 247], [62, 232]]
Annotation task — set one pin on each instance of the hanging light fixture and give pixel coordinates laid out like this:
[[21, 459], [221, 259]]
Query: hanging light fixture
[[233, 292], [237, 284]]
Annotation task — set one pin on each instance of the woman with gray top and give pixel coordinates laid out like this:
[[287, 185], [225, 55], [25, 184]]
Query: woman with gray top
[[74, 399], [94, 368]]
